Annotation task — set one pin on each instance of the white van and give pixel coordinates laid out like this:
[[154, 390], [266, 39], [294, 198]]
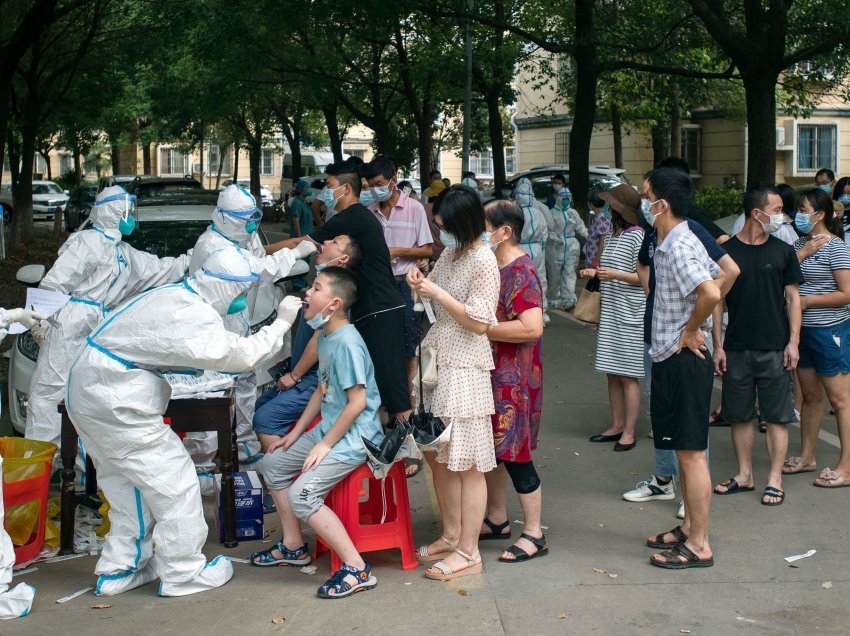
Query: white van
[[313, 163]]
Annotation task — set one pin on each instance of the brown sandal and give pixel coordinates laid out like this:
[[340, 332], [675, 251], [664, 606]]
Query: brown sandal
[[673, 562], [656, 541]]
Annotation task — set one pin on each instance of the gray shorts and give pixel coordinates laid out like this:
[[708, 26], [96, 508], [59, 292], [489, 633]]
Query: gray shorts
[[282, 469], [749, 372]]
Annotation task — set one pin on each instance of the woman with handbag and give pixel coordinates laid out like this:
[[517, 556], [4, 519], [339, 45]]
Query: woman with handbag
[[464, 290], [619, 339], [517, 386]]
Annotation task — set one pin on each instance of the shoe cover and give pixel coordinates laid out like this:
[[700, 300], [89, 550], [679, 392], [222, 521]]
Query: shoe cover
[[207, 483], [215, 574], [112, 584], [17, 602]]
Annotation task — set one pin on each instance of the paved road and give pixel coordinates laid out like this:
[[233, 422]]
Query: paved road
[[750, 590]]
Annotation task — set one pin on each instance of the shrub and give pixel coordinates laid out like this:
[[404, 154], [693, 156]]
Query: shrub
[[719, 202]]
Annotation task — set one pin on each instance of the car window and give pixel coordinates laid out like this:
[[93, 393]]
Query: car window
[[166, 238], [46, 188]]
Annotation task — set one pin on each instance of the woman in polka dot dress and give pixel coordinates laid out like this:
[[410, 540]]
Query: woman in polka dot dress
[[464, 291]]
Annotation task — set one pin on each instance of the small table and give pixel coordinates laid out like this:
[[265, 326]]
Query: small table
[[190, 415]]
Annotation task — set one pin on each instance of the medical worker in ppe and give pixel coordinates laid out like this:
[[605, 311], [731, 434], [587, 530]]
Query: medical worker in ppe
[[99, 271], [535, 230], [563, 249], [116, 397], [235, 220], [17, 602]]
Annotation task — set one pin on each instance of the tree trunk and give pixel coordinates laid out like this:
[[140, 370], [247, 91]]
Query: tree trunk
[[617, 133], [221, 151], [255, 155], [659, 137], [383, 138], [235, 163], [115, 158], [761, 126], [676, 126], [48, 166], [497, 138], [584, 114], [146, 158], [329, 111], [22, 191]]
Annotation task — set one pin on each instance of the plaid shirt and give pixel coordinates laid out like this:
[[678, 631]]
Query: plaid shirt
[[681, 265]]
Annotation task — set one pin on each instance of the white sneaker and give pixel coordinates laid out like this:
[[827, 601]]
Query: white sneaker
[[681, 513], [651, 490], [546, 319]]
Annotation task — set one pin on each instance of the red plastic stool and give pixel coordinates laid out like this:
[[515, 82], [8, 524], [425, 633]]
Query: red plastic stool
[[25, 491], [362, 519]]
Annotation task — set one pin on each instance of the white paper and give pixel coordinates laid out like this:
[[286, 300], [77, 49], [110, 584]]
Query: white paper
[[70, 597], [44, 301], [22, 572], [429, 310], [239, 560], [797, 557]]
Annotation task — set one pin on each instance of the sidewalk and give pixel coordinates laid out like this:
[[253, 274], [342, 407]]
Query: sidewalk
[[751, 589]]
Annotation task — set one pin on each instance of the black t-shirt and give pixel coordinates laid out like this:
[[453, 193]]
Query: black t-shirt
[[756, 302], [702, 218], [376, 288]]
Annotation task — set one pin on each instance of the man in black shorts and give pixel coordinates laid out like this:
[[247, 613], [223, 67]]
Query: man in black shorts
[[378, 313], [682, 372], [760, 347]]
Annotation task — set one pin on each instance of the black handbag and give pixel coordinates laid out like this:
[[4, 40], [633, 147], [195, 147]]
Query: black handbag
[[426, 427]]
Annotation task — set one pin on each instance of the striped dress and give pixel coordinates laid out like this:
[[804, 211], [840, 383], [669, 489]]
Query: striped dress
[[619, 339]]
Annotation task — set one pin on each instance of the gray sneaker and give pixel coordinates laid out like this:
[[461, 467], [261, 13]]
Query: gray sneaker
[[651, 490]]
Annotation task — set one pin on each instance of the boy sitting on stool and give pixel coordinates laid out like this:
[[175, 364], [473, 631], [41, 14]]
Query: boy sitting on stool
[[310, 464]]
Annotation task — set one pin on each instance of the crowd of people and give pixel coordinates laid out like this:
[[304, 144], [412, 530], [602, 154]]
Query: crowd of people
[[678, 301]]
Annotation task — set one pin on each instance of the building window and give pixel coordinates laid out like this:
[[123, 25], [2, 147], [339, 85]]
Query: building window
[[40, 164], [562, 147], [816, 147], [510, 160], [692, 148], [172, 162], [482, 165], [267, 162], [214, 156], [66, 163], [357, 152]]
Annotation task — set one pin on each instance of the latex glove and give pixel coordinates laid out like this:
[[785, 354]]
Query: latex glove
[[40, 332], [287, 310], [26, 317], [304, 249]]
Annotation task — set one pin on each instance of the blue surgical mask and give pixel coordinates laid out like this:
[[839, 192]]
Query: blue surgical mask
[[803, 222], [251, 227], [127, 226], [328, 197], [320, 267], [318, 321], [646, 208], [844, 199], [487, 237], [366, 197], [447, 239], [826, 188], [606, 211], [238, 305], [308, 192], [382, 193]]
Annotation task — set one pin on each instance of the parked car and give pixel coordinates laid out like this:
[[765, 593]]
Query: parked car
[[143, 187], [47, 197], [266, 198], [166, 226], [601, 177], [79, 206]]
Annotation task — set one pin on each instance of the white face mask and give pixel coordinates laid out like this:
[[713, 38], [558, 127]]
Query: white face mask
[[487, 237], [776, 221]]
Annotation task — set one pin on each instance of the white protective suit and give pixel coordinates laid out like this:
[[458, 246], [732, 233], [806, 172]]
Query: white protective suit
[[17, 602], [99, 271], [235, 211], [563, 250], [535, 230], [116, 398]]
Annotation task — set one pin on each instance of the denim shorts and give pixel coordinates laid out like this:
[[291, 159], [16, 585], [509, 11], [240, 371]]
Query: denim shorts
[[827, 349]]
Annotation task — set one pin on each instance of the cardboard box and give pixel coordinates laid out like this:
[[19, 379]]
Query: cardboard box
[[249, 506]]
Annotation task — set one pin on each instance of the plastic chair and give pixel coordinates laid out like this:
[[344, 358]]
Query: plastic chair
[[362, 517], [22, 492]]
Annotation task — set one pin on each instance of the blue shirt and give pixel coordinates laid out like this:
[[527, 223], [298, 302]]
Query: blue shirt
[[302, 338], [344, 363], [300, 210], [646, 258]]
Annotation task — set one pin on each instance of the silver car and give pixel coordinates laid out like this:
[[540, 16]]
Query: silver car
[[166, 227], [47, 197], [601, 177]]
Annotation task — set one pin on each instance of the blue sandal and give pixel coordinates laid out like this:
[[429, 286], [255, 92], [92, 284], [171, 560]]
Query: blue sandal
[[265, 558], [342, 588]]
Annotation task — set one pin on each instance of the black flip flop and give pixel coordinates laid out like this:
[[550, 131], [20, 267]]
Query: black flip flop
[[770, 491], [732, 487], [495, 533], [522, 555]]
